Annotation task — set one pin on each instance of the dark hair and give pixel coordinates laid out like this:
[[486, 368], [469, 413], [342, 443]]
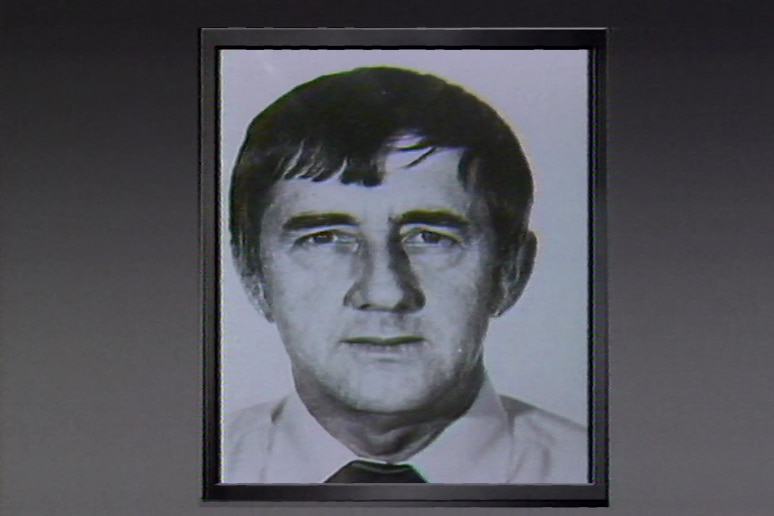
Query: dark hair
[[343, 124]]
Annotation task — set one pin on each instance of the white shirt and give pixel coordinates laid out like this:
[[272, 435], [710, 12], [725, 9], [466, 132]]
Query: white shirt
[[499, 440]]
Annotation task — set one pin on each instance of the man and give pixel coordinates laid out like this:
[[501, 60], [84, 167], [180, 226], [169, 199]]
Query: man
[[379, 217]]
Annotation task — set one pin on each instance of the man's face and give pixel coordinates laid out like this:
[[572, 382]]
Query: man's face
[[380, 294]]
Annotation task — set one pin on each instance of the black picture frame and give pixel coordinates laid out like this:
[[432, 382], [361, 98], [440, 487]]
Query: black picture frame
[[594, 40]]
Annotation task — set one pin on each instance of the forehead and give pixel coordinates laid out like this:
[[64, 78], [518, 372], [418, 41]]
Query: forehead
[[415, 179]]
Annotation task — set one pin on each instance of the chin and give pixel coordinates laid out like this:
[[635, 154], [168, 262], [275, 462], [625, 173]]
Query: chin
[[383, 401]]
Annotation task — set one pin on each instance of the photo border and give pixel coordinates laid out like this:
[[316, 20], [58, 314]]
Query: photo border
[[594, 494]]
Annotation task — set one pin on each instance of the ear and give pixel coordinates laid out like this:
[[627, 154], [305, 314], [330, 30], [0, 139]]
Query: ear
[[513, 274], [256, 291]]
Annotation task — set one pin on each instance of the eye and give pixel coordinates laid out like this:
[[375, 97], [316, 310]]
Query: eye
[[430, 239], [327, 238]]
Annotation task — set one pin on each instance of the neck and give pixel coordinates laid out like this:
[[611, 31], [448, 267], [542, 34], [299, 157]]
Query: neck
[[393, 437]]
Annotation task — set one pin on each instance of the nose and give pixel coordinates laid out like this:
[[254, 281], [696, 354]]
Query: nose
[[385, 282]]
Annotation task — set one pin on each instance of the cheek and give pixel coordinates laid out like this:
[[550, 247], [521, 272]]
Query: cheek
[[459, 286], [457, 305], [294, 280]]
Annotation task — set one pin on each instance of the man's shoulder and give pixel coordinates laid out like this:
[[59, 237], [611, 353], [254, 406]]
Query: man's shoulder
[[252, 418], [560, 444], [540, 423], [246, 438]]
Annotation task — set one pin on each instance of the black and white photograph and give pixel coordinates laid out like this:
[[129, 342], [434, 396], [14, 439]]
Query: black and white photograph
[[403, 258]]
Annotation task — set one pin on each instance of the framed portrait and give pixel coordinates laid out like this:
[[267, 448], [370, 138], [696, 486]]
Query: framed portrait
[[403, 266]]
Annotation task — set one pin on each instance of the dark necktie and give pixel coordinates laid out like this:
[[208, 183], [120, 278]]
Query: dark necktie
[[363, 472]]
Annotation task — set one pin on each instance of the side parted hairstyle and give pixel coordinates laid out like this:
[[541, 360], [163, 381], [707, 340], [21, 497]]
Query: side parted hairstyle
[[343, 125]]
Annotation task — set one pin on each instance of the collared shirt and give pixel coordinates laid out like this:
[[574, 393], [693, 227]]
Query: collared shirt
[[499, 440]]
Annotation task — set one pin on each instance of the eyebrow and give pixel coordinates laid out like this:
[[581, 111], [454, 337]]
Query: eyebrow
[[444, 218], [434, 218], [315, 220]]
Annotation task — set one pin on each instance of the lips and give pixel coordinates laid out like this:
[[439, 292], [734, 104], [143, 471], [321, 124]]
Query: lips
[[384, 341]]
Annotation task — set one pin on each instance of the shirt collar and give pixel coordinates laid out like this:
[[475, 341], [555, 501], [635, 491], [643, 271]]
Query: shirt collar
[[476, 448]]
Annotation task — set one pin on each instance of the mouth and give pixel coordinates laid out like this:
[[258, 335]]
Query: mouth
[[384, 342], [385, 349]]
